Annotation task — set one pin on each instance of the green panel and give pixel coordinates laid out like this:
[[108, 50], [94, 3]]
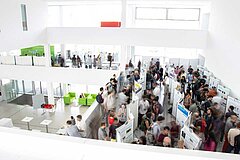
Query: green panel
[[36, 51]]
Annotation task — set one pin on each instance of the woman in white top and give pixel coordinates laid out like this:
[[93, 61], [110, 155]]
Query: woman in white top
[[143, 108], [122, 114]]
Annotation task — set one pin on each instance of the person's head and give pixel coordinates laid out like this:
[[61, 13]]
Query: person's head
[[160, 119], [114, 75], [115, 120], [72, 117], [79, 117], [181, 144], [209, 111], [210, 97], [149, 115], [103, 124], [193, 101], [234, 118], [69, 122], [231, 108], [173, 123], [144, 97], [166, 130], [143, 140], [101, 89], [123, 106], [167, 142]]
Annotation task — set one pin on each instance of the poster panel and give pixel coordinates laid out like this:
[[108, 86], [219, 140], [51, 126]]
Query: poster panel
[[223, 92], [191, 140], [38, 100], [125, 132], [214, 82], [177, 98], [182, 114], [233, 102]]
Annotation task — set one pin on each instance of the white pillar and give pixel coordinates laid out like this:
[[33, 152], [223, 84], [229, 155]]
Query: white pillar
[[64, 88], [124, 14], [50, 92], [63, 50], [123, 58], [47, 55]]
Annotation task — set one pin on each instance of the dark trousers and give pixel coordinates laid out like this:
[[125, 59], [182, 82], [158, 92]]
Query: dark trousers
[[230, 148]]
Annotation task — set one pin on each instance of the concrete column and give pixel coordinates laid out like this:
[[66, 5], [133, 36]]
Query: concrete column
[[124, 14], [50, 92], [123, 58], [47, 55]]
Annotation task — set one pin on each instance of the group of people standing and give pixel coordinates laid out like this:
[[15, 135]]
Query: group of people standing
[[209, 121]]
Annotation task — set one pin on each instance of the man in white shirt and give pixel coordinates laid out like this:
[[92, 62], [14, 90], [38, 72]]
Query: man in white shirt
[[231, 135], [156, 90], [142, 108], [157, 127]]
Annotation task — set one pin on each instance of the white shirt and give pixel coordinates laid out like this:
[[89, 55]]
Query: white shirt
[[143, 106], [232, 134], [122, 98], [157, 91], [157, 128]]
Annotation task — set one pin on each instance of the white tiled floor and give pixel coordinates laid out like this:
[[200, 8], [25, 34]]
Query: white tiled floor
[[59, 117]]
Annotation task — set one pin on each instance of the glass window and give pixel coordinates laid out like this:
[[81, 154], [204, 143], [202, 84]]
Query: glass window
[[24, 17], [181, 14], [151, 13]]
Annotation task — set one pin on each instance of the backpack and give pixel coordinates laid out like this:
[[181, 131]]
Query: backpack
[[99, 99]]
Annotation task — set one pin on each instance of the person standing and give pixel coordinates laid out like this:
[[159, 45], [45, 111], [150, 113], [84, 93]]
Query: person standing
[[102, 133], [94, 61], [143, 108], [157, 127], [72, 130], [109, 57], [74, 61], [79, 62], [231, 136]]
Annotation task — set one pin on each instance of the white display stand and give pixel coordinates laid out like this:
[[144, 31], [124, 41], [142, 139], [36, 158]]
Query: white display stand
[[173, 88], [182, 115], [214, 82], [6, 122], [125, 132], [233, 102], [176, 99], [38, 100], [223, 92], [191, 140], [133, 109]]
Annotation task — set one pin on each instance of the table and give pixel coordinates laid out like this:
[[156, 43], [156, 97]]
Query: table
[[46, 123], [27, 119], [6, 122]]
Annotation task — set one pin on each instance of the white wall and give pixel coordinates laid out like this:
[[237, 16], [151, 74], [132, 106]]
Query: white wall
[[129, 36], [12, 35], [57, 74], [223, 53], [27, 145]]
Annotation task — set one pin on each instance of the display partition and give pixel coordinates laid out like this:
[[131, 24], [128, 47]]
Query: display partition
[[133, 109], [38, 101], [233, 102], [201, 69], [183, 115], [214, 82], [178, 97], [208, 74], [223, 92], [125, 132], [191, 140]]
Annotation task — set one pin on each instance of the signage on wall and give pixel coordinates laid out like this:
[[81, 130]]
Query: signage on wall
[[223, 92]]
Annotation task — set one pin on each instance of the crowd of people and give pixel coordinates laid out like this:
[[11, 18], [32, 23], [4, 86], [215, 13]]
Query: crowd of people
[[209, 121], [88, 61]]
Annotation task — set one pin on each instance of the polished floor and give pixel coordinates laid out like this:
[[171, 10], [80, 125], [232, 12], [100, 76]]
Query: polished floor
[[59, 117]]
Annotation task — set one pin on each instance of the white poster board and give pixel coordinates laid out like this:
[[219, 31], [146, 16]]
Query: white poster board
[[214, 82], [208, 74], [133, 108], [182, 114], [125, 132], [173, 88], [38, 100], [191, 140], [177, 98], [223, 92], [233, 102]]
